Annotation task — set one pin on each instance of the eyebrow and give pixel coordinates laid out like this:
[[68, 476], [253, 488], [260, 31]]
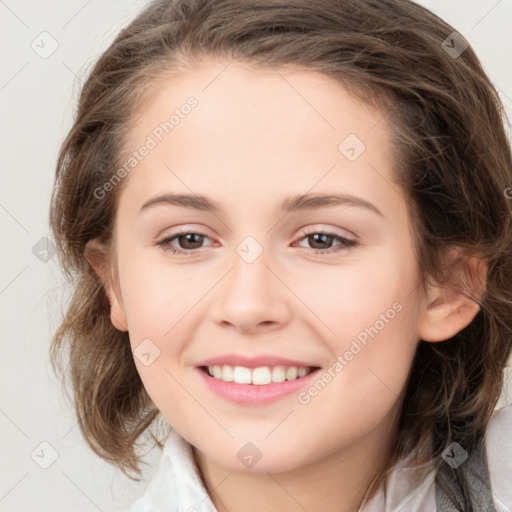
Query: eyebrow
[[291, 204]]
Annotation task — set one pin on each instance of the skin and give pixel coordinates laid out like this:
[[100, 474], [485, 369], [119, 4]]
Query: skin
[[251, 142]]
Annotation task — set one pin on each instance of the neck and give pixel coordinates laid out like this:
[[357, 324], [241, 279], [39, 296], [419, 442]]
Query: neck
[[340, 481]]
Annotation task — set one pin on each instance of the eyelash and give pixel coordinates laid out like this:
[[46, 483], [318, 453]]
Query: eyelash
[[345, 243]]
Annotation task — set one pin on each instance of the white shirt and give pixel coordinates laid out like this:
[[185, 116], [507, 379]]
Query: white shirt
[[177, 485]]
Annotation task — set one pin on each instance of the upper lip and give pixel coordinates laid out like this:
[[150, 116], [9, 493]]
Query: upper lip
[[253, 362]]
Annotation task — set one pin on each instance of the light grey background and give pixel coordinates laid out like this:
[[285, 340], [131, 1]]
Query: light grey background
[[37, 97]]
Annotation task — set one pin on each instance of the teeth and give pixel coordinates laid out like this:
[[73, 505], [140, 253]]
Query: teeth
[[241, 375], [261, 376], [278, 374], [226, 373], [302, 372], [257, 376], [291, 373]]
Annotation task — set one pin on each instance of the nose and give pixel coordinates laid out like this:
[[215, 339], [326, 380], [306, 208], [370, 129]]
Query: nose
[[252, 296]]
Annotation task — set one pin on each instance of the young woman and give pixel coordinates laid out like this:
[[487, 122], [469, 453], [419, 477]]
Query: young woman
[[290, 234]]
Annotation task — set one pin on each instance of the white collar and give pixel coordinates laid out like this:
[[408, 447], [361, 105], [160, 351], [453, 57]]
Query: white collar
[[177, 485]]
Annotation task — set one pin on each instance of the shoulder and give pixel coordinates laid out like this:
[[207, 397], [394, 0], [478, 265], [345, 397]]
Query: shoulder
[[176, 484], [499, 457], [158, 491], [412, 488]]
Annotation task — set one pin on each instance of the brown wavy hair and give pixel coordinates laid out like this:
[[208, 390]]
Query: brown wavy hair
[[454, 164]]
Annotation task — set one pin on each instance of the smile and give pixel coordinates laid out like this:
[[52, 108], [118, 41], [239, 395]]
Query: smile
[[260, 376], [255, 386]]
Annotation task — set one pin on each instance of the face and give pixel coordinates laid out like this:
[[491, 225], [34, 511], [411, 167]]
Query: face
[[326, 284]]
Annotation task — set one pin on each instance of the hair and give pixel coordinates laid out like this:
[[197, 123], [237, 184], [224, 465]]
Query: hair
[[453, 163]]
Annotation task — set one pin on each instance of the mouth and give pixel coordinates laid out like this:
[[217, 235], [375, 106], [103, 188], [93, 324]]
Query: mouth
[[256, 386], [260, 376]]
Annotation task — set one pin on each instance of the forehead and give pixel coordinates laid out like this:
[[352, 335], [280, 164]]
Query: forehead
[[290, 96], [255, 129]]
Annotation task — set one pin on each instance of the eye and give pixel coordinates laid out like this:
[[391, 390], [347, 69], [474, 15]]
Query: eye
[[321, 239], [190, 242]]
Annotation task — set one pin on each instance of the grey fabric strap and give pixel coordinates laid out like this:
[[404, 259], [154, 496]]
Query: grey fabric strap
[[475, 472]]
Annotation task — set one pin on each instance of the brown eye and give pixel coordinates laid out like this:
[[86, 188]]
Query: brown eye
[[320, 240], [187, 242], [190, 240], [322, 243]]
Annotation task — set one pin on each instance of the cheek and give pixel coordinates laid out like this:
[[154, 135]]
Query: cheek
[[157, 293], [157, 300], [364, 383], [371, 313], [351, 296]]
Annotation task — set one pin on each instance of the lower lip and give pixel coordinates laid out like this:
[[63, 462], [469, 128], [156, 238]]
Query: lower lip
[[253, 394]]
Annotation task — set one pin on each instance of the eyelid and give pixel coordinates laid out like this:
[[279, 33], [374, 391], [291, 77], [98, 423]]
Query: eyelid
[[182, 228], [317, 228]]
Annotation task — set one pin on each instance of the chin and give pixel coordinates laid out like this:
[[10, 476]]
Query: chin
[[256, 456]]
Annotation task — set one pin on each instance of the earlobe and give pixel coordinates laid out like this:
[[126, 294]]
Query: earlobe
[[97, 257], [447, 311], [445, 316], [117, 313]]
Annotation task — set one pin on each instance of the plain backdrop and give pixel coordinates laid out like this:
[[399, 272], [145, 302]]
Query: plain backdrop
[[45, 463]]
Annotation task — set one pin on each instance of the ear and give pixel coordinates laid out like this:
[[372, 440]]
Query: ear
[[97, 256], [449, 309]]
